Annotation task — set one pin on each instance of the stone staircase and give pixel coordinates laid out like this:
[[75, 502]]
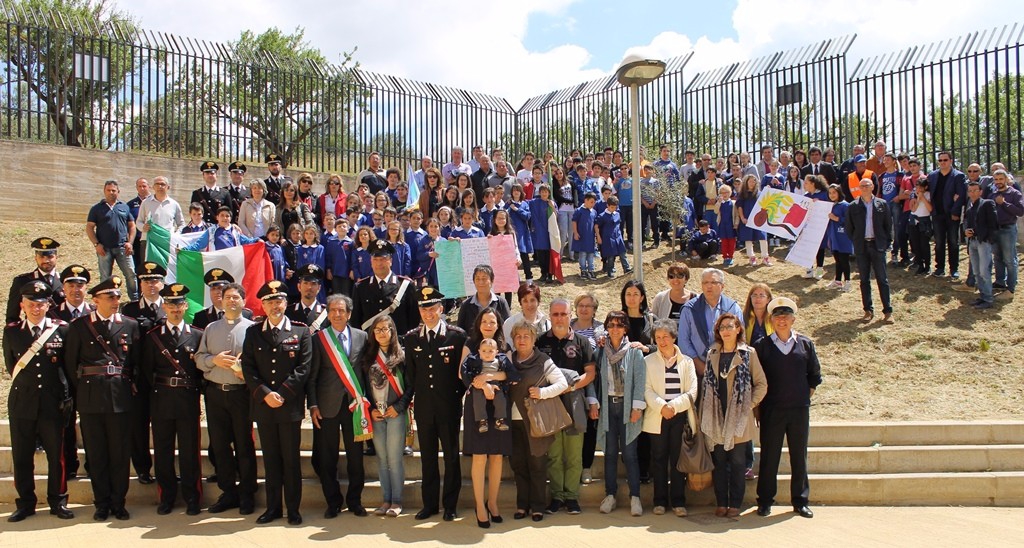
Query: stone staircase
[[857, 463]]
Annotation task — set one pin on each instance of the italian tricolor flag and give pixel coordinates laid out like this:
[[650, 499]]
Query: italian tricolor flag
[[248, 264], [555, 266]]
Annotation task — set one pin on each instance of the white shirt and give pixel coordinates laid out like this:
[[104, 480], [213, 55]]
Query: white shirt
[[166, 213]]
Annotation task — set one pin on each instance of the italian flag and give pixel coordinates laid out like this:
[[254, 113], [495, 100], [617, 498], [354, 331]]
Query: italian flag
[[555, 240], [248, 264]]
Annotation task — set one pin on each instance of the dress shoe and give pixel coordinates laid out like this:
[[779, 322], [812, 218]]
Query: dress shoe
[[101, 514], [370, 451], [145, 478], [407, 451], [721, 511], [294, 519], [212, 478], [425, 514], [268, 516], [868, 316], [222, 504], [164, 508], [733, 513], [246, 507], [804, 512], [70, 475], [449, 515], [121, 514], [193, 509], [20, 514], [331, 512], [62, 512], [358, 510], [887, 317], [764, 511]]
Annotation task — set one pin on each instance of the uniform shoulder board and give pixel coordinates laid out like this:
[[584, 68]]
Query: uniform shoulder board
[[363, 279], [412, 332], [300, 324], [258, 319], [155, 328]]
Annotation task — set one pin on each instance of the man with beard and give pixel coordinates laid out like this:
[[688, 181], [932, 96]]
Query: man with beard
[[46, 270]]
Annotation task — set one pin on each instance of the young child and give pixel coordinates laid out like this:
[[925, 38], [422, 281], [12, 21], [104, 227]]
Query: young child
[[446, 218], [380, 230], [583, 241], [196, 214], [311, 252], [336, 253], [487, 212], [727, 225], [273, 243], [602, 202], [489, 360], [328, 234], [609, 237], [468, 229], [401, 259], [359, 255], [704, 243]]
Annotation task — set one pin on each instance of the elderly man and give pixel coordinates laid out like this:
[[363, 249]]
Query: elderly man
[[1009, 209], [501, 177], [45, 252], [791, 367], [420, 176], [698, 316], [159, 209], [480, 177], [450, 170], [869, 225], [111, 229], [948, 189]]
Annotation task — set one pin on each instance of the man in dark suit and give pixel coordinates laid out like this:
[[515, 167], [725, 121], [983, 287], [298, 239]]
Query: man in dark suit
[[816, 166], [210, 195], [275, 180], [168, 364], [276, 358], [308, 310], [980, 226], [335, 384], [73, 280], [38, 400], [948, 188], [216, 279], [384, 292], [869, 225], [46, 270], [100, 357], [236, 188], [432, 353]]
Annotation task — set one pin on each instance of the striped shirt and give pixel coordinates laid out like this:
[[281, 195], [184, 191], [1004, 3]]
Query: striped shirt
[[673, 381]]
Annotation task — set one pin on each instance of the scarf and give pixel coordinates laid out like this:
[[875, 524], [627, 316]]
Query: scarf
[[614, 356], [719, 429]]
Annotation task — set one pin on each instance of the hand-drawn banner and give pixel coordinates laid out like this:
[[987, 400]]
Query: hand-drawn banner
[[778, 212], [457, 259]]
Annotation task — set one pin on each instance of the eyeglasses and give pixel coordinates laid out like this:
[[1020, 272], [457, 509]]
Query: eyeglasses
[[943, 159], [615, 326], [582, 305], [973, 171], [334, 183], [382, 330], [676, 277]]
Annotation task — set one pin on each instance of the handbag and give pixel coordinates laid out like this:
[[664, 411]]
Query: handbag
[[694, 458], [547, 417]]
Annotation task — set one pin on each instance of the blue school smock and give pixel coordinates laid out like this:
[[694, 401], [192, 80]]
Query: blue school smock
[[539, 224], [838, 240], [725, 226], [336, 256], [584, 219], [401, 259], [359, 263], [521, 224], [610, 226], [277, 261], [446, 231], [463, 234]]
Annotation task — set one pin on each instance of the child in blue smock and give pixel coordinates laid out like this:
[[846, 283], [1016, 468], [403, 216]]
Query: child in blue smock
[[609, 237], [583, 238]]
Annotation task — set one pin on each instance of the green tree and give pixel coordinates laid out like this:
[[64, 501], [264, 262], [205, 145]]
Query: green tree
[[173, 124], [41, 62]]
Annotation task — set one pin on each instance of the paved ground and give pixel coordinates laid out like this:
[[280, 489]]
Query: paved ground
[[831, 526]]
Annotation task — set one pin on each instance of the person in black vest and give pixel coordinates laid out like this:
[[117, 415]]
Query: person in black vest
[[46, 270], [432, 352], [168, 364], [237, 189], [100, 357], [335, 384], [216, 279], [38, 400], [275, 180], [149, 312], [210, 195], [73, 280], [384, 292], [791, 367], [276, 358], [308, 310]]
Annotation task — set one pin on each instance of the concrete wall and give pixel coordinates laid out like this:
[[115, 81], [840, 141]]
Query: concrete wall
[[43, 182]]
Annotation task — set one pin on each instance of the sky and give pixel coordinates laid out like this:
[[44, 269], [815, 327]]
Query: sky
[[545, 45]]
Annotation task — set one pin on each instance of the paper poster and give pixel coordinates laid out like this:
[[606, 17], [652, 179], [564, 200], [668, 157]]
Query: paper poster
[[457, 259], [781, 213], [808, 242]]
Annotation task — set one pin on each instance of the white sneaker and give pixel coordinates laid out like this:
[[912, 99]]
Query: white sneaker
[[659, 510], [680, 511], [847, 286], [587, 477], [608, 504], [819, 273], [809, 274], [634, 507], [835, 284]]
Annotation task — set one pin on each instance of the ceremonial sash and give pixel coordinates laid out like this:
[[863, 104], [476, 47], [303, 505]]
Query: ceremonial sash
[[360, 406], [390, 376], [36, 346]]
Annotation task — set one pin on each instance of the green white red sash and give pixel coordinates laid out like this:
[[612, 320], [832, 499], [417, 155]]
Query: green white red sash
[[360, 406], [396, 383]]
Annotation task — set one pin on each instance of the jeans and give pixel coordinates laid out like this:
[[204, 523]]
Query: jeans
[[615, 443], [609, 262], [895, 212], [565, 232], [728, 475], [981, 261], [586, 261], [947, 238], [565, 466], [870, 259], [649, 217], [124, 262], [1004, 251], [389, 441]]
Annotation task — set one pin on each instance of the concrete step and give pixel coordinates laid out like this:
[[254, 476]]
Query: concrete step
[[967, 489], [823, 460]]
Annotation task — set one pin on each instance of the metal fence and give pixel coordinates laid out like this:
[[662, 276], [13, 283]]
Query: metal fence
[[125, 89]]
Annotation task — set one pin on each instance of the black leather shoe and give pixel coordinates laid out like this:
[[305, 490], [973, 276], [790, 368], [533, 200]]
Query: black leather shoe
[[20, 514], [358, 510], [222, 504], [193, 509], [268, 516], [804, 512], [70, 475], [764, 511], [247, 507], [121, 514], [62, 512], [331, 512], [449, 515], [101, 514], [294, 519], [145, 478], [369, 451], [164, 508], [425, 514], [212, 478]]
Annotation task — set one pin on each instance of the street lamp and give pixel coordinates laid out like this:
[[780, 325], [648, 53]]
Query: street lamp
[[633, 72]]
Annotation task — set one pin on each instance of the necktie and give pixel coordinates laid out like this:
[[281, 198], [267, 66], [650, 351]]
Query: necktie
[[275, 331], [815, 169], [430, 336], [306, 311], [74, 313], [175, 332], [344, 341], [35, 332], [220, 315]]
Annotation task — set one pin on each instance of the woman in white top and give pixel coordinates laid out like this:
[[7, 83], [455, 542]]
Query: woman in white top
[[256, 214], [668, 304], [670, 390]]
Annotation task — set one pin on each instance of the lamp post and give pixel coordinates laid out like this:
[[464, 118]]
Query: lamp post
[[633, 72]]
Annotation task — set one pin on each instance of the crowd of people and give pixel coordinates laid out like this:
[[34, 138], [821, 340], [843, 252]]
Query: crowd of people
[[356, 334]]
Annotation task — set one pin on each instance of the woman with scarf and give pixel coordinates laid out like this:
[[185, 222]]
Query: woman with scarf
[[384, 362], [734, 384], [670, 391], [623, 376], [539, 379]]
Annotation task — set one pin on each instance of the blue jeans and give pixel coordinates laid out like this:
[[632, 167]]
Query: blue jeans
[[565, 232], [615, 442], [389, 441], [1005, 256], [981, 262], [586, 261], [124, 262]]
